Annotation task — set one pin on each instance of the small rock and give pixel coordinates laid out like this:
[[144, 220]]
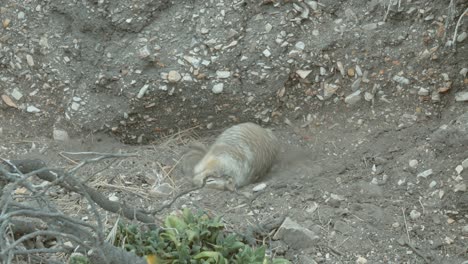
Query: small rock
[[76, 99], [461, 97], [425, 173], [266, 53], [459, 169], [194, 61], [32, 109], [323, 71], [340, 66], [356, 84], [370, 26], [223, 74], [268, 27], [300, 45], [6, 22], [259, 187], [361, 260], [142, 91], [163, 189], [461, 37], [464, 71], [465, 164], [423, 92], [296, 236], [21, 15], [435, 97], [204, 30], [29, 60], [414, 214], [368, 96], [461, 187], [60, 135], [351, 72], [75, 106], [432, 184], [16, 94], [465, 230], [353, 98], [413, 163], [303, 73], [173, 76], [113, 198], [217, 88], [400, 79], [329, 90], [144, 52]]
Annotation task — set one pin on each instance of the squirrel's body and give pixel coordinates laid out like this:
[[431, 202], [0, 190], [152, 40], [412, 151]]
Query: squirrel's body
[[239, 156]]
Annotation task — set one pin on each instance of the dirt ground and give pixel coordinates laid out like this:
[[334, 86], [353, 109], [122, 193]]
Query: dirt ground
[[368, 97]]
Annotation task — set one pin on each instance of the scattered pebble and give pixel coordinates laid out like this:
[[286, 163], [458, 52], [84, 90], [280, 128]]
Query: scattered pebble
[[16, 94], [461, 97], [303, 73], [465, 230], [173, 76], [461, 187], [432, 184], [266, 53], [60, 135], [300, 45], [223, 74], [142, 91], [423, 92], [465, 164], [425, 173], [461, 37], [21, 15], [368, 96], [464, 71], [32, 109], [29, 60], [361, 260], [217, 88], [401, 79], [75, 106], [259, 187], [6, 22], [370, 26], [414, 214], [413, 163], [113, 198], [353, 98], [459, 169]]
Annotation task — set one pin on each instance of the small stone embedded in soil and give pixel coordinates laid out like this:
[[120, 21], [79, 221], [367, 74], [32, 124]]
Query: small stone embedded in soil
[[423, 92], [266, 53], [295, 235], [461, 37], [353, 98], [300, 45], [459, 169], [113, 198], [75, 106], [259, 187], [464, 71], [223, 74], [425, 173], [142, 91], [60, 135], [461, 187], [461, 97], [368, 96], [29, 60], [173, 76], [361, 260], [414, 214], [413, 163], [465, 230], [303, 73], [465, 164], [401, 79], [32, 109], [16, 94], [370, 26], [217, 88], [432, 184]]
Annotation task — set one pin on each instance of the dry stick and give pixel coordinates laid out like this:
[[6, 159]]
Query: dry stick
[[97, 197], [406, 225], [456, 27]]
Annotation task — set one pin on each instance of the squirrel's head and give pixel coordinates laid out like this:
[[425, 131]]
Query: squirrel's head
[[210, 174]]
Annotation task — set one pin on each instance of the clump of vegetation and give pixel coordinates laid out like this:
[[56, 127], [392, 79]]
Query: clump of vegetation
[[190, 238]]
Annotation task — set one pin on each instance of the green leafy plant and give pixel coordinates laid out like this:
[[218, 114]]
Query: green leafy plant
[[190, 238]]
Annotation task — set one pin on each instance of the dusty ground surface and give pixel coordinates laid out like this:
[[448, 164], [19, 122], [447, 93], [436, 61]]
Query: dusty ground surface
[[369, 99]]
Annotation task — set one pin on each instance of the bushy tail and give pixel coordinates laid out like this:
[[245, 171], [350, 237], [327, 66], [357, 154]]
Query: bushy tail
[[192, 156]]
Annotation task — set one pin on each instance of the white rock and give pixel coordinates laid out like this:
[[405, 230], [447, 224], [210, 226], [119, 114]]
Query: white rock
[[21, 15], [32, 109], [303, 73], [16, 94], [465, 164], [217, 88], [464, 71], [461, 187], [432, 184], [353, 98], [144, 52], [413, 163], [461, 97], [142, 91], [259, 187], [223, 74], [401, 79], [414, 214], [268, 27], [30, 60], [425, 173], [461, 37], [370, 26], [266, 53], [194, 61], [300, 45], [459, 169], [60, 135], [113, 198], [323, 71], [173, 76], [368, 96], [361, 260], [423, 92], [75, 106]]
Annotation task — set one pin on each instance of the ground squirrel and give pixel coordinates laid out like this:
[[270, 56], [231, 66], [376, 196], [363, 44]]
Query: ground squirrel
[[240, 155]]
